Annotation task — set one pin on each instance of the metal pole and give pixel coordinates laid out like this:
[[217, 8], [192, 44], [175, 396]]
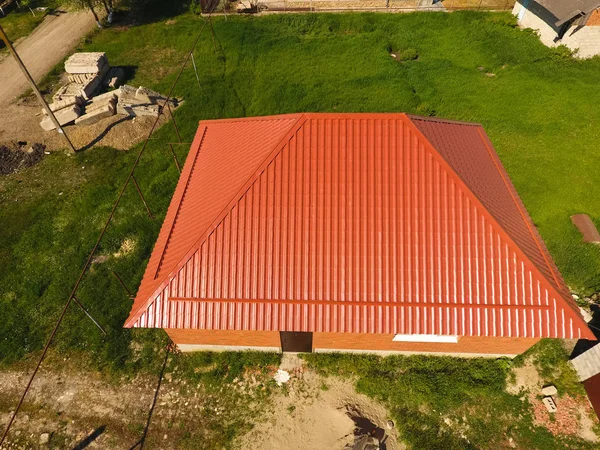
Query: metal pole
[[137, 186], [122, 284], [35, 88], [173, 119], [175, 158], [91, 255], [196, 70], [89, 315]]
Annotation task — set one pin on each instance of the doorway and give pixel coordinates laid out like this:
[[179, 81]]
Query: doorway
[[296, 341]]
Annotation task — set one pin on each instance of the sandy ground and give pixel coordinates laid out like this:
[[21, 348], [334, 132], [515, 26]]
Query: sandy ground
[[42, 50], [311, 412]]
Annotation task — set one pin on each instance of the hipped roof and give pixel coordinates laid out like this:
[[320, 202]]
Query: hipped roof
[[371, 223]]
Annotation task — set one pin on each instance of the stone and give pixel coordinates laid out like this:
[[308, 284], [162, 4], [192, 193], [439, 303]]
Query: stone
[[137, 110], [44, 438], [80, 63], [96, 115], [549, 390], [549, 404], [64, 117], [69, 101]]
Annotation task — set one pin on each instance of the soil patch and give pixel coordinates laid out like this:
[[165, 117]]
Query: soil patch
[[12, 160], [312, 411]]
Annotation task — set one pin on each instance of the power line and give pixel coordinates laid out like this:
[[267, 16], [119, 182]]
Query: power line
[[97, 244]]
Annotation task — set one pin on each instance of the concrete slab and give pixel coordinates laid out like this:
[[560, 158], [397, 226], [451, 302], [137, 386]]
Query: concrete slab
[[96, 115], [64, 117]]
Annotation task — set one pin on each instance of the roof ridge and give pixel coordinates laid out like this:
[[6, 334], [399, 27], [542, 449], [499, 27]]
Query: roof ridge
[[485, 211], [442, 120], [133, 316]]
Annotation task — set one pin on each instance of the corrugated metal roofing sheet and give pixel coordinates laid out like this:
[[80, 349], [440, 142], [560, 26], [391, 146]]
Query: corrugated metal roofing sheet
[[370, 223]]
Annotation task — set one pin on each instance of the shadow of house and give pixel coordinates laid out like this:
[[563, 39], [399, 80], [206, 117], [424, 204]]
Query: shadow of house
[[573, 23]]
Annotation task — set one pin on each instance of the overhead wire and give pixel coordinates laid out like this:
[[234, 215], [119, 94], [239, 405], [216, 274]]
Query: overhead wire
[[102, 232]]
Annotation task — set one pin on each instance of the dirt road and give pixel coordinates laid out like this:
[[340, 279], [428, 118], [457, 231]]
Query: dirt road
[[42, 50]]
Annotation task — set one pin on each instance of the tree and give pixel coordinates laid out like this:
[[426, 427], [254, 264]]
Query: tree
[[89, 4]]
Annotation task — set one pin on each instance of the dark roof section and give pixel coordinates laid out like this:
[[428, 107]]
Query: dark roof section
[[565, 10]]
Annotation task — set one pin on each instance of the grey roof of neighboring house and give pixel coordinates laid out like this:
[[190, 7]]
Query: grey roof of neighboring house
[[564, 10]]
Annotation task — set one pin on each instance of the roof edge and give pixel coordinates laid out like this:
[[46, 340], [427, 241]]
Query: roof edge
[[301, 118]]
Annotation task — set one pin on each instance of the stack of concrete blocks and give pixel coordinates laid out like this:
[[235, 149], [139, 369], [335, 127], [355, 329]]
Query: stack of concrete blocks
[[65, 111], [138, 101], [85, 72], [100, 107]]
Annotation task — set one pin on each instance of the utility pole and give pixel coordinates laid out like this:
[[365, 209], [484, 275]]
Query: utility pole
[[34, 87]]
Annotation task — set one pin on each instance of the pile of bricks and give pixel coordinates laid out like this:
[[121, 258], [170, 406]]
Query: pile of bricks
[[77, 101]]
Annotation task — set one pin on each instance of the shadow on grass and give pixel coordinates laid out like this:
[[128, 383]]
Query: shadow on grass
[[91, 438], [140, 444]]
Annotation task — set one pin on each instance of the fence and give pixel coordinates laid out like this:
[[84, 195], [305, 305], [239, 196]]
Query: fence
[[377, 5]]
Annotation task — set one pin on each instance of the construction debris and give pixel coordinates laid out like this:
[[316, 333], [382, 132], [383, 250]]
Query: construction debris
[[96, 115], [64, 103], [549, 404], [87, 74], [83, 63], [64, 117]]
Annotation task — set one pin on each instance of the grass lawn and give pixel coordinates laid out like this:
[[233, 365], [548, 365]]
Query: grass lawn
[[540, 109], [19, 22]]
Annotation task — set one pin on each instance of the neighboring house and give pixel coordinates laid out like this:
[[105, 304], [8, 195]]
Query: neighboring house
[[351, 232], [574, 23]]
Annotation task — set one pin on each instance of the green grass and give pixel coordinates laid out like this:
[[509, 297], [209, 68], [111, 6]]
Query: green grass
[[19, 23], [540, 110], [444, 402]]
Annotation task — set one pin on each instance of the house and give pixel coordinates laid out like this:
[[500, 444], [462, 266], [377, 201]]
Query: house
[[351, 232], [574, 23]]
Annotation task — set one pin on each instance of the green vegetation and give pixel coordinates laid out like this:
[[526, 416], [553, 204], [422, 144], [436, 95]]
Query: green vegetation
[[539, 106], [550, 358], [21, 22], [444, 402]]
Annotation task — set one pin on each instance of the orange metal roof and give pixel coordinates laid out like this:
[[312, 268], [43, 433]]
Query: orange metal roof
[[370, 223]]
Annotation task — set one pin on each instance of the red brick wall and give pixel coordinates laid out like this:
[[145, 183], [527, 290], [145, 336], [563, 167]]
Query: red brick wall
[[354, 341], [383, 342], [232, 338]]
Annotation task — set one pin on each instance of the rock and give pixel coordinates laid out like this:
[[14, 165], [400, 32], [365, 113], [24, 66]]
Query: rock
[[390, 424], [549, 404], [64, 117], [96, 115], [44, 438], [549, 390]]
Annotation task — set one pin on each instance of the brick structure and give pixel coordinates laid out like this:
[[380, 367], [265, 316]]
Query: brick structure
[[351, 232]]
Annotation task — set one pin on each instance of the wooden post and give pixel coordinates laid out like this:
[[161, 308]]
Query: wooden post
[[34, 87]]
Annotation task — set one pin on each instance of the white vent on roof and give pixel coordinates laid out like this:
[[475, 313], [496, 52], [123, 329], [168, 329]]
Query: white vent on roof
[[425, 338]]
